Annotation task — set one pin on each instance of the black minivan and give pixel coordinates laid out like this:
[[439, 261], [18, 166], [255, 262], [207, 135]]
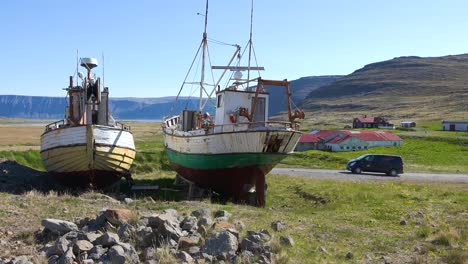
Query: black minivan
[[389, 164]]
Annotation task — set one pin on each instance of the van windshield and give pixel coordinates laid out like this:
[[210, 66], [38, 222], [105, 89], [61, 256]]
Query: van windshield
[[361, 157]]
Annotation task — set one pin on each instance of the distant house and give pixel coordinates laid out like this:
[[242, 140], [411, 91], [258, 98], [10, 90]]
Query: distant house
[[347, 140], [407, 124], [454, 125], [314, 140], [372, 122], [359, 140]]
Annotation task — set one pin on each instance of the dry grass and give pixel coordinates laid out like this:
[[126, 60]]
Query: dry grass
[[18, 137]]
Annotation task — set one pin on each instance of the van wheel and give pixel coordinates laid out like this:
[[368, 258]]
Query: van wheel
[[393, 172], [357, 170]]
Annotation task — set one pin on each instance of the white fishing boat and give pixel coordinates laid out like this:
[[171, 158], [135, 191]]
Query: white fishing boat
[[87, 148], [231, 152]]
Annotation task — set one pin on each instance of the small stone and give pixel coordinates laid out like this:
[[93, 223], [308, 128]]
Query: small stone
[[82, 246], [97, 252], [189, 223], [117, 255], [220, 243], [403, 222], [119, 216], [286, 241], [186, 243], [324, 250], [222, 225], [222, 213], [278, 225], [171, 211], [128, 200], [349, 255], [59, 226], [126, 232], [205, 221], [204, 212], [148, 253], [92, 236], [239, 225], [107, 239], [184, 256], [193, 250]]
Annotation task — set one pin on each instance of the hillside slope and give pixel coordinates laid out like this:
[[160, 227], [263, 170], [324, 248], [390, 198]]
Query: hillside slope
[[404, 87]]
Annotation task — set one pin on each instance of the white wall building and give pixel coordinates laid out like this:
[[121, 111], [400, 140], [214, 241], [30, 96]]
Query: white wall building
[[455, 125]]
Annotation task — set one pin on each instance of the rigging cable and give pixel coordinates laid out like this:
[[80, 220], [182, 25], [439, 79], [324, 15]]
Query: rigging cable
[[186, 76]]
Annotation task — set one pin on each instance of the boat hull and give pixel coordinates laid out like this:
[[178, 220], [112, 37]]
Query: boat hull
[[88, 156], [230, 163]]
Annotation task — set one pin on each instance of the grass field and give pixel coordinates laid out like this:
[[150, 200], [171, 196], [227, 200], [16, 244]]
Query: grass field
[[327, 219]]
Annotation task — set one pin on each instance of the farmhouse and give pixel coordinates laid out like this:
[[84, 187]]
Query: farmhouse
[[315, 140], [454, 125], [347, 140], [372, 122]]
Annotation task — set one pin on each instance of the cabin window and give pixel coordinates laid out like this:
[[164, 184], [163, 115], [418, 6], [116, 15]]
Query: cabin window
[[219, 100], [341, 147], [359, 147]]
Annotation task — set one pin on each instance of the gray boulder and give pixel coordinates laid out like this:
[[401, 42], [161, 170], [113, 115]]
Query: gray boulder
[[169, 230], [97, 252], [59, 248], [205, 221], [189, 223], [221, 243], [82, 246], [107, 239], [59, 226], [126, 232], [130, 253], [171, 211], [67, 258], [156, 221], [201, 212], [286, 241], [184, 257], [278, 225], [117, 255]]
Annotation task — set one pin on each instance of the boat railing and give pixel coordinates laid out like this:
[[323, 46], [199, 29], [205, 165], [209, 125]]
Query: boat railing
[[55, 125], [236, 127], [123, 126], [171, 122], [262, 125]]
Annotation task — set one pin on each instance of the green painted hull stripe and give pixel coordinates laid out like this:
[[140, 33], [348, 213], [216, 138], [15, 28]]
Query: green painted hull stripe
[[223, 161]]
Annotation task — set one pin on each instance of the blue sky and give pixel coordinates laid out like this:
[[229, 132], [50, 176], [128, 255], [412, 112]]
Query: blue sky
[[148, 45]]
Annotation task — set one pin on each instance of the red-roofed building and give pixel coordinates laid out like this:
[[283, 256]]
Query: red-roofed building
[[371, 122], [347, 140]]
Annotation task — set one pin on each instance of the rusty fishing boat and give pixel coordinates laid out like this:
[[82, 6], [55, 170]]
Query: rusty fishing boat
[[88, 148], [231, 152]]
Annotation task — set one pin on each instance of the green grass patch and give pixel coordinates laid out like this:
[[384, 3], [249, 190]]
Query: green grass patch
[[30, 158]]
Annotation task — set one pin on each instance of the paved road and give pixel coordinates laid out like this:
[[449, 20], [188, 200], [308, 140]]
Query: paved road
[[346, 175]]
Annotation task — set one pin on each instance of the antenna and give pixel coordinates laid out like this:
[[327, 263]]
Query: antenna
[[250, 41], [205, 46], [103, 86]]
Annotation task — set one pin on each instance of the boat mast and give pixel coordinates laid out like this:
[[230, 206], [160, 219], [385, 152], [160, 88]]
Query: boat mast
[[205, 45], [250, 41]]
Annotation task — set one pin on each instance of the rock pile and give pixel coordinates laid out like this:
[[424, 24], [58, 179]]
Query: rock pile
[[121, 236]]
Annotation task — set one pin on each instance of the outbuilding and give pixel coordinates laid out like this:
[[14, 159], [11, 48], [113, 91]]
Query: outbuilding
[[455, 125], [407, 124]]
